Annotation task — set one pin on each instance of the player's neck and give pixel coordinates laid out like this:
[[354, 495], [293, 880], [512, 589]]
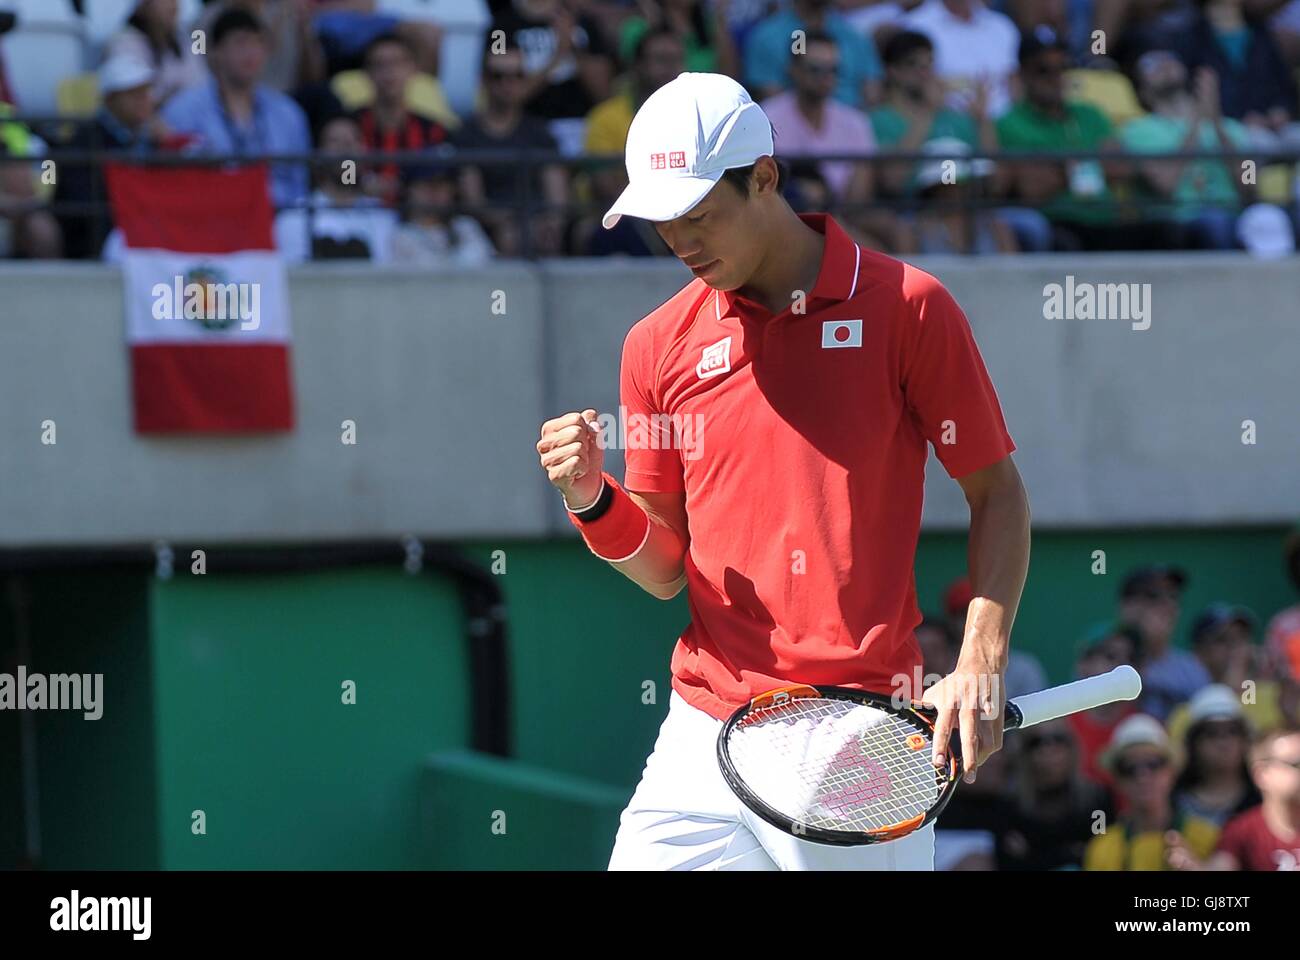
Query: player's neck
[[792, 262]]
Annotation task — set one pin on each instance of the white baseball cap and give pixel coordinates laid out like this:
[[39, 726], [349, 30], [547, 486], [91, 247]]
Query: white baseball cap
[[685, 136], [123, 72], [1139, 729], [1214, 702]]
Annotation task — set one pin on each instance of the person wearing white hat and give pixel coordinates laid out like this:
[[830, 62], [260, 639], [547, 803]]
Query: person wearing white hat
[[1150, 834], [818, 372], [125, 122], [1214, 783]]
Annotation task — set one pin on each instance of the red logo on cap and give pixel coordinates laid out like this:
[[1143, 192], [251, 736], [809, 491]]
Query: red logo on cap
[[656, 161], [677, 159]]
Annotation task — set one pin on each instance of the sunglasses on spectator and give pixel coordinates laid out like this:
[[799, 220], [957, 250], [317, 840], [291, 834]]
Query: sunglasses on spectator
[[1129, 769], [821, 69], [1049, 69], [505, 74], [1047, 739]]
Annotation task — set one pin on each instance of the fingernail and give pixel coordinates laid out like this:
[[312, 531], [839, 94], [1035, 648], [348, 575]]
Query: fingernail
[[970, 776]]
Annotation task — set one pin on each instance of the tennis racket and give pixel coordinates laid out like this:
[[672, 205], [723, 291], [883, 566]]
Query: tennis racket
[[847, 767]]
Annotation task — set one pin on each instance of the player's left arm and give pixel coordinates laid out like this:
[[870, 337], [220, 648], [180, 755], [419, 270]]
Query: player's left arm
[[998, 560]]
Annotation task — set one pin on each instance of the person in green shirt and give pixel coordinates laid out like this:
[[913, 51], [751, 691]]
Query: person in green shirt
[[704, 34], [913, 111], [1075, 195], [1201, 195]]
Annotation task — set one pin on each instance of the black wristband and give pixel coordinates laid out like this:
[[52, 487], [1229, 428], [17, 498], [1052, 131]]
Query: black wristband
[[597, 509]]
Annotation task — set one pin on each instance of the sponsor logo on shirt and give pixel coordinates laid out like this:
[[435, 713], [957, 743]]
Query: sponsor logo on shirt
[[715, 360]]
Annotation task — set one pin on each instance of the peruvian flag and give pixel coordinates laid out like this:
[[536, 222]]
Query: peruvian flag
[[207, 310]]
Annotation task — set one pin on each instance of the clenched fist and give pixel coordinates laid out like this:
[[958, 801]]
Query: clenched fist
[[572, 457]]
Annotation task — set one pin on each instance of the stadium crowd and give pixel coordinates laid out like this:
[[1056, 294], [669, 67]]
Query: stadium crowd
[[1132, 93], [1202, 772]]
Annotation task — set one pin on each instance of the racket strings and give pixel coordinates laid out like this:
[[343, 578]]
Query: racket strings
[[836, 764]]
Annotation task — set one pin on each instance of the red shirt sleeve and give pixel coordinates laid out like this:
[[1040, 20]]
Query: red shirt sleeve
[[652, 464], [944, 380], [1235, 840]]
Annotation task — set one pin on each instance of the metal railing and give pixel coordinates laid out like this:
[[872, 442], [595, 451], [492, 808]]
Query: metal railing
[[1128, 204]]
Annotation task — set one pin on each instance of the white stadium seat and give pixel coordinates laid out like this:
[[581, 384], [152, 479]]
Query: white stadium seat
[[37, 56]]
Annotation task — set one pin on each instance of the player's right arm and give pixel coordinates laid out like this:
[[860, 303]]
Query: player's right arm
[[573, 460]]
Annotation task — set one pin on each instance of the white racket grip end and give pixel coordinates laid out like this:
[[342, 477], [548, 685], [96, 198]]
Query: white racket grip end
[[1122, 683]]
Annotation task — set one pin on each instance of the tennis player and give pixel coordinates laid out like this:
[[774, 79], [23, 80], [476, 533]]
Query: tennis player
[[809, 375]]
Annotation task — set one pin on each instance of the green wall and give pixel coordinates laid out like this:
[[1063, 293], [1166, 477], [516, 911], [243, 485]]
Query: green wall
[[223, 694], [584, 639]]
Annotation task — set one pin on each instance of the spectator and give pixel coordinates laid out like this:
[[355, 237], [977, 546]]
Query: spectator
[[1223, 641], [1024, 673], [701, 27], [152, 36], [569, 67], [1149, 834], [973, 45], [346, 28], [939, 648], [913, 111], [659, 58], [1069, 19], [1056, 808], [945, 186], [1267, 837], [1255, 85], [433, 235], [125, 123], [1131, 28], [1282, 635], [1214, 783], [495, 193], [387, 125], [295, 57], [340, 222], [1150, 599], [235, 114], [768, 53], [1206, 196], [26, 229], [1073, 194], [971, 833], [808, 121], [1104, 647]]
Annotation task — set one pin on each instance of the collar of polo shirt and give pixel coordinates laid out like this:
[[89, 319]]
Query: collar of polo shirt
[[837, 280]]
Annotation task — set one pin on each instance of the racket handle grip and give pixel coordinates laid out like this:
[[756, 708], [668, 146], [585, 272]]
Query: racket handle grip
[[1122, 683]]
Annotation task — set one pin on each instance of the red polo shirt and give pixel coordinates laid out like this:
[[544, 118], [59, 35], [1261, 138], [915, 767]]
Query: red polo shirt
[[801, 448]]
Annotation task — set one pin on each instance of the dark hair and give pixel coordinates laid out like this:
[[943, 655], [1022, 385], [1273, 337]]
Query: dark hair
[[945, 627], [235, 20], [382, 40], [137, 20], [1193, 772], [902, 45], [652, 34], [1291, 551], [488, 53], [818, 36], [739, 177]]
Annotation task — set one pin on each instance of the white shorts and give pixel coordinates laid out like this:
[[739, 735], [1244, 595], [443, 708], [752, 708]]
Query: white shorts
[[683, 816]]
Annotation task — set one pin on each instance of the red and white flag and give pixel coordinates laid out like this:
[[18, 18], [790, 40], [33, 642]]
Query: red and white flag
[[207, 307]]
